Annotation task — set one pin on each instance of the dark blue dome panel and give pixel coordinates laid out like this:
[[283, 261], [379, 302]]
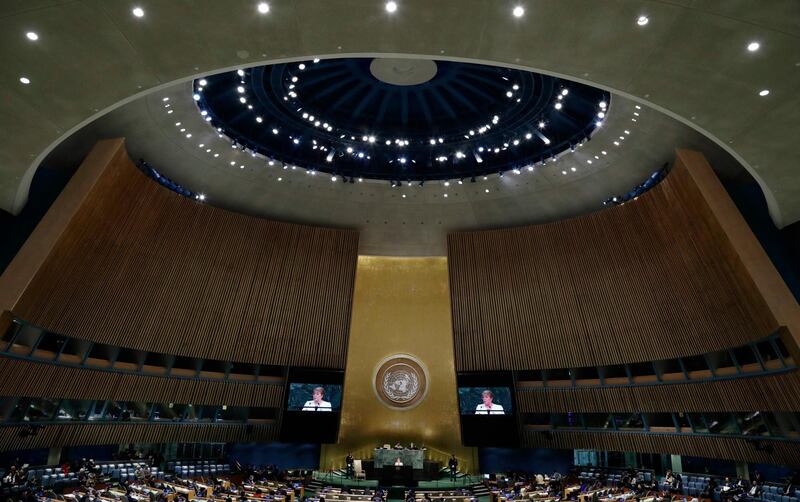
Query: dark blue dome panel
[[342, 117]]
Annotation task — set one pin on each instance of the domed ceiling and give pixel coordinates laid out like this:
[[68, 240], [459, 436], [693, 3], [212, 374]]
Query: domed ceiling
[[232, 140], [400, 119]]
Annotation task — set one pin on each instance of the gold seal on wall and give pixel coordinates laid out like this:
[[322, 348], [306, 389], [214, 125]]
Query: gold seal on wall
[[400, 381]]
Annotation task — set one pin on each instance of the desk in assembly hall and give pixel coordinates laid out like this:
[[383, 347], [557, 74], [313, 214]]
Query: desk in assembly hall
[[386, 457]]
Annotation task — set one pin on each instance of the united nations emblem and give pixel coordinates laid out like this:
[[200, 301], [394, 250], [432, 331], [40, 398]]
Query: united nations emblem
[[401, 381]]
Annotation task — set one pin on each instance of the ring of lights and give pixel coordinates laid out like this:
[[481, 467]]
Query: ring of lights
[[335, 116]]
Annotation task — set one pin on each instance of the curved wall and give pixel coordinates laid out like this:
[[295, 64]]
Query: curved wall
[[142, 267], [653, 279]]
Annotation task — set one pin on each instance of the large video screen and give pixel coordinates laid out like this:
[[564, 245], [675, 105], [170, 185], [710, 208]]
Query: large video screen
[[314, 397], [491, 401]]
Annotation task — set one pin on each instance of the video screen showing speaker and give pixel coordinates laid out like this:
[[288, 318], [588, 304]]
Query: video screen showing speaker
[[487, 408], [313, 401], [314, 397], [492, 401]]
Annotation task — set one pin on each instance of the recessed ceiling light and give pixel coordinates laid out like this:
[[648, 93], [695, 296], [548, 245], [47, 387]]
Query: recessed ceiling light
[[643, 20], [138, 12], [203, 82], [263, 7], [558, 106], [753, 46], [391, 7], [764, 92], [518, 11], [25, 80], [32, 36]]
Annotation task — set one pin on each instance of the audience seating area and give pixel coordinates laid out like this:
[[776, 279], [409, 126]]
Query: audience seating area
[[195, 468]]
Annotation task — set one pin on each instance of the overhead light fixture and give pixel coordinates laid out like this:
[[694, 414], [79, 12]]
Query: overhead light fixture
[[391, 7], [764, 92], [138, 12], [25, 80], [518, 11], [558, 106], [263, 7], [753, 46], [32, 35], [643, 20]]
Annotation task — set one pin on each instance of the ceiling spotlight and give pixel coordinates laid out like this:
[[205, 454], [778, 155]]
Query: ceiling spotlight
[[752, 46], [601, 114], [259, 120], [643, 20], [240, 89], [541, 125], [263, 7], [528, 136], [487, 190], [196, 97], [509, 94], [25, 80], [296, 141], [603, 104], [764, 92], [558, 106], [301, 66], [240, 73], [32, 36], [203, 82], [518, 11], [371, 139], [391, 7], [202, 196], [138, 12], [274, 131]]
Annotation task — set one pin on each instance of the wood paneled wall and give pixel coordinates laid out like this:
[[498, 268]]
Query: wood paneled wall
[[783, 452], [765, 393], [33, 379], [142, 267], [652, 279], [124, 433]]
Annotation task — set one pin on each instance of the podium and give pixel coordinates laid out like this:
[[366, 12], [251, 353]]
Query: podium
[[394, 475]]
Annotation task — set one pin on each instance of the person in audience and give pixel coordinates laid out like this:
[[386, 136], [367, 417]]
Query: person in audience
[[791, 483], [669, 478], [398, 462], [398, 446], [488, 407], [317, 403]]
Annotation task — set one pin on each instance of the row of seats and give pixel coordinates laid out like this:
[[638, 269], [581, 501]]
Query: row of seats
[[612, 479], [194, 468]]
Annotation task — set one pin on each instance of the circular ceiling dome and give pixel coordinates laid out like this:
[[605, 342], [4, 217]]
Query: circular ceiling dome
[[400, 119], [403, 71]]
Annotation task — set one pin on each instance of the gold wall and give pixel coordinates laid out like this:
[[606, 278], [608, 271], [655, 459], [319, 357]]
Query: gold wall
[[400, 305]]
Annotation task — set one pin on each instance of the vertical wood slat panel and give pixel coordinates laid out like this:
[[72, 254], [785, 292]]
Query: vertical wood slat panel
[[781, 452], [652, 279], [124, 433], [31, 379], [763, 393], [142, 267]]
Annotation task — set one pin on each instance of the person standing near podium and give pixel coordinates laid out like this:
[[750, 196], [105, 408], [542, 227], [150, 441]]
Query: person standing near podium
[[349, 461], [453, 464]]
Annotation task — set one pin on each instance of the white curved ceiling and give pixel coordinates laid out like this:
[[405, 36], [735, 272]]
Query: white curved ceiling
[[690, 60], [405, 221]]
